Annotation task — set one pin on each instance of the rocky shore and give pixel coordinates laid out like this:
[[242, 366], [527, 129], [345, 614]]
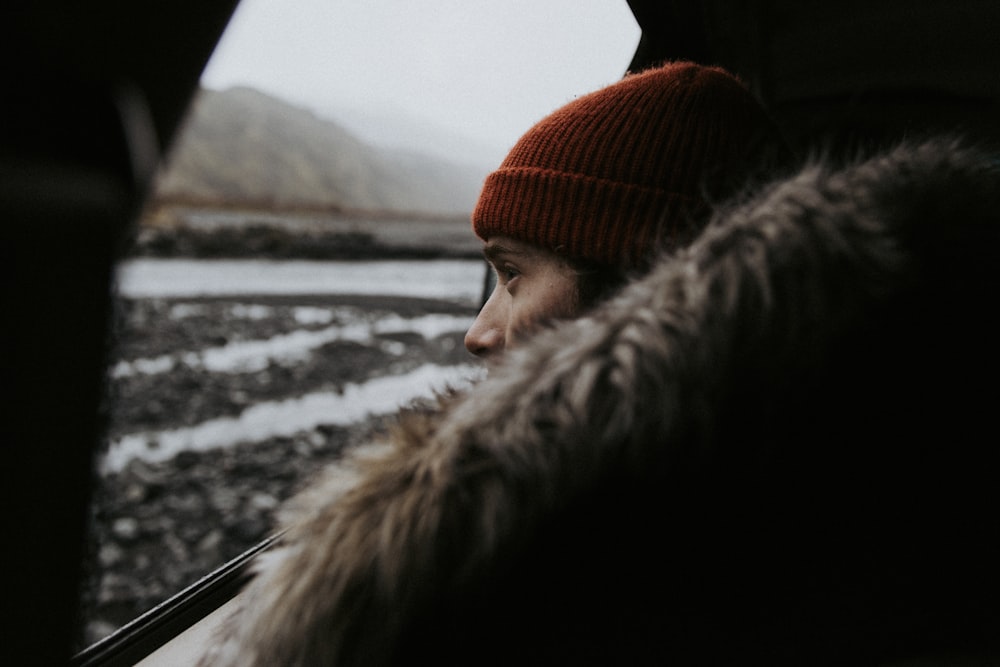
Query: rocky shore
[[158, 527]]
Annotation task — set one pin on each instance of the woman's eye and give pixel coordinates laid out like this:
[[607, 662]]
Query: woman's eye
[[507, 273]]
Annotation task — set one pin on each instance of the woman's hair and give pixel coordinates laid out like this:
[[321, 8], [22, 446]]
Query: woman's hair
[[596, 281]]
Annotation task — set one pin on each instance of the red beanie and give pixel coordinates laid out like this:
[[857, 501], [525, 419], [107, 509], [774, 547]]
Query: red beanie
[[616, 174]]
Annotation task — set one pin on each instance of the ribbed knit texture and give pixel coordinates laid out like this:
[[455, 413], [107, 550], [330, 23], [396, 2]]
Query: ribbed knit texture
[[616, 174]]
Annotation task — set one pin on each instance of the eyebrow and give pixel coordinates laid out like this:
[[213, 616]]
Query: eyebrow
[[494, 251]]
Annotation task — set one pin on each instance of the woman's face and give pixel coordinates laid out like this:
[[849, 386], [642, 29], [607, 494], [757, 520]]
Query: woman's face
[[534, 285]]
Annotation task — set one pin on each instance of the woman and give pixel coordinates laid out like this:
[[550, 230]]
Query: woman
[[592, 193]]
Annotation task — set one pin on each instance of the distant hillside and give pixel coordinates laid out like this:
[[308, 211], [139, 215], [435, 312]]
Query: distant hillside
[[241, 145]]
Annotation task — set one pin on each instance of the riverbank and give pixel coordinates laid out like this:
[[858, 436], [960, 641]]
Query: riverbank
[[158, 526], [233, 232]]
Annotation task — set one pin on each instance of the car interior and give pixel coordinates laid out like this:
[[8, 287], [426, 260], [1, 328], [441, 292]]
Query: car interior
[[94, 93]]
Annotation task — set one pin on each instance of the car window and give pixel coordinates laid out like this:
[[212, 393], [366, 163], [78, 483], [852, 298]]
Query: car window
[[304, 265]]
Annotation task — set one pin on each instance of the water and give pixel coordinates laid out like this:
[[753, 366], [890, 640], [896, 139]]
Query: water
[[264, 420], [459, 279], [252, 355], [454, 280]]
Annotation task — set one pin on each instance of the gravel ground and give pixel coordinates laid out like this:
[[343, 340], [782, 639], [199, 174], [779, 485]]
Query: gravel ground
[[157, 528]]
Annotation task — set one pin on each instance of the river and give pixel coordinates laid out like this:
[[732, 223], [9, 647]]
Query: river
[[265, 334], [459, 280]]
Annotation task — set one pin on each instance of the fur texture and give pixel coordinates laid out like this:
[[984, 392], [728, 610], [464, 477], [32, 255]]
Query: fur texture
[[775, 448]]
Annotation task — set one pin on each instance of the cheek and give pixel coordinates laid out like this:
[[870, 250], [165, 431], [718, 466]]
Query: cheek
[[553, 300], [558, 304], [561, 295]]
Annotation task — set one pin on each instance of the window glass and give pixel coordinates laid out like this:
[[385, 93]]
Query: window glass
[[305, 264]]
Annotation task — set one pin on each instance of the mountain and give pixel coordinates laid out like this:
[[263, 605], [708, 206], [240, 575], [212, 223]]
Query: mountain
[[393, 126], [241, 145]]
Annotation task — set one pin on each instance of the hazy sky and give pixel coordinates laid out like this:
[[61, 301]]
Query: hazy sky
[[481, 71]]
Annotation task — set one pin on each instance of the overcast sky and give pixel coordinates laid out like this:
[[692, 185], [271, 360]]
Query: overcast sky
[[475, 73]]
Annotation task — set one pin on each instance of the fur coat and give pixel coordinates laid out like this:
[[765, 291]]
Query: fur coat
[[775, 448]]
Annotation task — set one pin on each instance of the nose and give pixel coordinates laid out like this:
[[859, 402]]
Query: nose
[[486, 335]]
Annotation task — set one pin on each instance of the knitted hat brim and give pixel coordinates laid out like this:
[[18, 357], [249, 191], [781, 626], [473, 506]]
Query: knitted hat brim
[[589, 218]]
